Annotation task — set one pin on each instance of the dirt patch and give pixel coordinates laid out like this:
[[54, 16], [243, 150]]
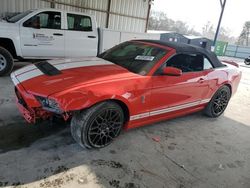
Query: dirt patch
[[112, 164]]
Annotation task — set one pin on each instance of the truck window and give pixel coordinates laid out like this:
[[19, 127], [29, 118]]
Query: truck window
[[79, 22], [47, 20]]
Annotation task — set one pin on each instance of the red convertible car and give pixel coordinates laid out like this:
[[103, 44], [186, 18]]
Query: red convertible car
[[135, 83]]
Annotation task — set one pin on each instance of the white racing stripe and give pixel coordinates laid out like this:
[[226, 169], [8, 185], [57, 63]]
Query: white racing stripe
[[14, 79], [28, 75], [64, 66], [25, 69], [57, 61], [139, 116], [32, 71], [170, 109]]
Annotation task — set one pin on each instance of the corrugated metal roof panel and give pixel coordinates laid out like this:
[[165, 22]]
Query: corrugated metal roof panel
[[126, 24], [118, 20], [96, 4], [136, 8], [10, 6]]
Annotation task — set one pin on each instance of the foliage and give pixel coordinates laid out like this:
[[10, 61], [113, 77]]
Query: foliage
[[209, 30], [160, 21], [244, 36]]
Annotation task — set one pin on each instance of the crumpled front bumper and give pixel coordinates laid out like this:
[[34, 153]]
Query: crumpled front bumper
[[29, 115]]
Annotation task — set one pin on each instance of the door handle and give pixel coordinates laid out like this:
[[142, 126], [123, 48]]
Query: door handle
[[58, 34], [201, 80], [92, 37]]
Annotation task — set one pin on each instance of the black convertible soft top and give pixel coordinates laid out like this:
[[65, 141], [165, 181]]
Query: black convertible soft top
[[187, 48]]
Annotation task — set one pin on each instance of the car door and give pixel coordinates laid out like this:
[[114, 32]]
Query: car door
[[179, 92], [81, 37], [211, 78], [41, 35]]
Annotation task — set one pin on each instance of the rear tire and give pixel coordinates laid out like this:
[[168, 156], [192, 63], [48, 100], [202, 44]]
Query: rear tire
[[97, 126], [6, 62], [218, 103]]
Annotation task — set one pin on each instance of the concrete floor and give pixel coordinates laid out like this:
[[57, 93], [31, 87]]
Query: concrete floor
[[194, 151]]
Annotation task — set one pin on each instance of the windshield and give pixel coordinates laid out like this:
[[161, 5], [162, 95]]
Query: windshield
[[136, 57], [18, 17]]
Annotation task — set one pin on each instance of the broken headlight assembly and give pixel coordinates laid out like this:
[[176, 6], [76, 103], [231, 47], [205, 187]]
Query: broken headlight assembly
[[49, 104]]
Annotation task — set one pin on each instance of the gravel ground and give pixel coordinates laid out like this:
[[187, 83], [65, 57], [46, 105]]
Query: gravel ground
[[193, 151]]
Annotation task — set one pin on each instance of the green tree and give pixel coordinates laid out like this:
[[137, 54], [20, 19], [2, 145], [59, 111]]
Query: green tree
[[159, 21], [244, 36], [208, 31]]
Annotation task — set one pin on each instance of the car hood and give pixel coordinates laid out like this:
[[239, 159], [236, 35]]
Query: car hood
[[68, 73], [6, 26]]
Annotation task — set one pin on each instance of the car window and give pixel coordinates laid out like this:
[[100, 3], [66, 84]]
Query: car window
[[47, 20], [136, 57], [207, 64], [79, 22], [187, 62]]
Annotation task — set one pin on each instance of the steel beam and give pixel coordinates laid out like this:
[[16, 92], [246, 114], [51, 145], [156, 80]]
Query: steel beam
[[108, 13], [223, 4]]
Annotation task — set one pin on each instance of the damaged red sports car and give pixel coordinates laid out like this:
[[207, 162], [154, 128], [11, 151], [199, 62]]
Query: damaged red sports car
[[135, 83]]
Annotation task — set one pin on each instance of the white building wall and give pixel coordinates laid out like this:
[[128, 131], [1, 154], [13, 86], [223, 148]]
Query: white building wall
[[135, 8]]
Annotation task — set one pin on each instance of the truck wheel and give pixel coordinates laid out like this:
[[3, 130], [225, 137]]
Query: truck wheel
[[218, 103], [97, 126], [6, 62]]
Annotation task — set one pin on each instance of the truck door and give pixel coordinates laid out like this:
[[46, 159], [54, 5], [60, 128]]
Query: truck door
[[42, 36], [81, 37]]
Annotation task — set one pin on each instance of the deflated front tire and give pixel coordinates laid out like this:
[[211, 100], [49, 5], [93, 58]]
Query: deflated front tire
[[97, 126]]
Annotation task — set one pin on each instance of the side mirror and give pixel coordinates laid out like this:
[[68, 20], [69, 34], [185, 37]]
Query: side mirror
[[172, 71]]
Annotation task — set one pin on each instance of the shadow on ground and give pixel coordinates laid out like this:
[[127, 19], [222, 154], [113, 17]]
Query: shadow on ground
[[193, 151], [19, 135]]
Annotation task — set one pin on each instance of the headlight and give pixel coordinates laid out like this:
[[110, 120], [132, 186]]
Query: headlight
[[53, 104], [49, 104]]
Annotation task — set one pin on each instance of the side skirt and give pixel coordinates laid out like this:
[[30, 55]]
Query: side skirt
[[161, 117]]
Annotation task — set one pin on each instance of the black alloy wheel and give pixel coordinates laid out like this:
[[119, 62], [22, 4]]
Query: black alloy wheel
[[105, 127], [219, 102], [97, 126]]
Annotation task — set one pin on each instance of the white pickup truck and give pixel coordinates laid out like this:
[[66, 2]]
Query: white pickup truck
[[51, 33]]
